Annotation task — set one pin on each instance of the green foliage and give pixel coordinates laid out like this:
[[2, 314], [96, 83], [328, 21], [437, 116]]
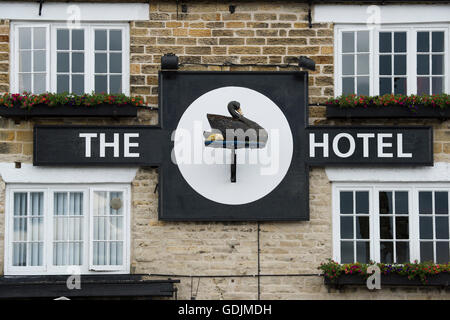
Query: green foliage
[[412, 102], [28, 100], [333, 270]]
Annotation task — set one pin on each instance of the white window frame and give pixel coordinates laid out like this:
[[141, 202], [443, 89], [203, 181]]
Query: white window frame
[[48, 268], [411, 55], [89, 84], [374, 218]]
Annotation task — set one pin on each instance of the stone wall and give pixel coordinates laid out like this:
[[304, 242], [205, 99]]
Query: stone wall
[[259, 32]]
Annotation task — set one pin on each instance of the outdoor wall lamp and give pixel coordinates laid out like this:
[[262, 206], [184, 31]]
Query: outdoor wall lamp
[[169, 61], [307, 63]]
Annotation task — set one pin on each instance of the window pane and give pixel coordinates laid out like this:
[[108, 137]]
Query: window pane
[[29, 229], [115, 84], [363, 86], [401, 228], [347, 254], [101, 84], [385, 86], [39, 80], [426, 251], [39, 60], [438, 41], [346, 227], [39, 38], [20, 229], [78, 84], [25, 38], [425, 202], [62, 62], [115, 40], [100, 40], [77, 62], [101, 63], [442, 227], [346, 201], [437, 62], [386, 252], [426, 227], [348, 85], [401, 202], [77, 39], [362, 228], [115, 63], [400, 64], [60, 205], [385, 65], [20, 204], [99, 254], [400, 85], [36, 203], [423, 85], [25, 83], [348, 42], [348, 64], [400, 42], [62, 39], [423, 41], [402, 252], [116, 205], [363, 251], [363, 41], [363, 63], [385, 42], [442, 252], [116, 253], [386, 228], [25, 61], [441, 202], [62, 83], [385, 202], [108, 228], [437, 85], [19, 254], [423, 64], [362, 202]]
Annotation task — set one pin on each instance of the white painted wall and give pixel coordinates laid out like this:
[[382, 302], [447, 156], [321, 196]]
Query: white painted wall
[[81, 11], [407, 13], [31, 174], [440, 172]]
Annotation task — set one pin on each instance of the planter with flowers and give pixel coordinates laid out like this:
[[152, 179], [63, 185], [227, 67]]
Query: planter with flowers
[[389, 106], [408, 274], [28, 105]]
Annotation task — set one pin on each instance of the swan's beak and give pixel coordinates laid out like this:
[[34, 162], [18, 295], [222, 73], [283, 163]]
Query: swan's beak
[[240, 111], [215, 137]]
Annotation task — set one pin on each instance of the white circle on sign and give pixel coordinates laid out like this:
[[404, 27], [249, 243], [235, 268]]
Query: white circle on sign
[[207, 170]]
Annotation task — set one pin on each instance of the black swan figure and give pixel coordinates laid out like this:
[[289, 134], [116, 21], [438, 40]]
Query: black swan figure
[[234, 132]]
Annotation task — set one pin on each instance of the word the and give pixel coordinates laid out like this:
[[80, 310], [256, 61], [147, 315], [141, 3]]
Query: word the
[[114, 144]]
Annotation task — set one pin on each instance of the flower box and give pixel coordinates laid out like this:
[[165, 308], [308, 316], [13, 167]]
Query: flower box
[[391, 111], [43, 110], [390, 280]]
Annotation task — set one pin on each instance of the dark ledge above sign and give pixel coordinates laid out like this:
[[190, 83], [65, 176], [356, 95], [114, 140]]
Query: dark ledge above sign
[[92, 286], [386, 112], [43, 110]]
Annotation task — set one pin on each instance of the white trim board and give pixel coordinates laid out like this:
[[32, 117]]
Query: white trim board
[[80, 11], [31, 174], [440, 172], [407, 13]]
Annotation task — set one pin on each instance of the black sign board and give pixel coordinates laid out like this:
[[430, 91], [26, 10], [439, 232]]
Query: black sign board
[[370, 145], [273, 101]]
